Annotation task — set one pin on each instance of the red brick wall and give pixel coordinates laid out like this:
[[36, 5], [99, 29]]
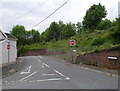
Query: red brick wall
[[101, 59], [35, 52]]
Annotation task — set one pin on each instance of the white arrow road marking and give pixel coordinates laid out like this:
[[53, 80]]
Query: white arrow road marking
[[67, 78], [27, 77], [29, 69], [44, 64]]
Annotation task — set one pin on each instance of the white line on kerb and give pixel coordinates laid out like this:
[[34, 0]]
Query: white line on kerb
[[27, 76], [91, 69]]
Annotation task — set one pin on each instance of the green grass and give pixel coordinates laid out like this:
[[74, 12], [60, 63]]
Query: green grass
[[86, 43]]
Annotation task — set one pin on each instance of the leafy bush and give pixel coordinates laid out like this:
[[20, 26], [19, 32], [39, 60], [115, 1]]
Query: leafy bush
[[98, 41], [115, 35]]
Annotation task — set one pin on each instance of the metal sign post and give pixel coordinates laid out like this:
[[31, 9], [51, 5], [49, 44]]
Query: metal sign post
[[8, 48], [73, 51]]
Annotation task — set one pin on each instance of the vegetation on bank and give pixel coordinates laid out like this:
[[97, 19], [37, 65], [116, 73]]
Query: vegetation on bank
[[93, 34]]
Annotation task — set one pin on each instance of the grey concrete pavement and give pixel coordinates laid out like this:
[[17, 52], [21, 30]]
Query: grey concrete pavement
[[40, 72], [13, 67]]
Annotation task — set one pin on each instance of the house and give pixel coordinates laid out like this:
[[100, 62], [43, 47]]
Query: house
[[7, 55]]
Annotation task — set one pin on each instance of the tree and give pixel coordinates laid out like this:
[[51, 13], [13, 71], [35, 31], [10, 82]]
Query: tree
[[94, 16], [62, 29], [20, 33], [70, 30], [53, 32], [118, 24], [104, 24], [79, 27]]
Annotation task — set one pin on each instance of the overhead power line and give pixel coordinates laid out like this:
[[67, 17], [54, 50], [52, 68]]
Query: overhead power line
[[27, 12], [51, 14]]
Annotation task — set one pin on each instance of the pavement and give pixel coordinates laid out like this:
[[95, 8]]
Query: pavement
[[10, 69], [40, 72]]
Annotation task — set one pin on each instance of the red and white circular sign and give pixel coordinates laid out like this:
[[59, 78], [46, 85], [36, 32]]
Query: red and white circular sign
[[8, 47], [72, 42]]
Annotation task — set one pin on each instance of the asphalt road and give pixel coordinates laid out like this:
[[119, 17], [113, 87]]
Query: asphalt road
[[40, 72]]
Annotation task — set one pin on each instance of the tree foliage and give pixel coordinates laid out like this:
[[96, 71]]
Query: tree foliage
[[24, 36], [58, 31], [20, 33], [94, 16], [104, 24], [79, 27]]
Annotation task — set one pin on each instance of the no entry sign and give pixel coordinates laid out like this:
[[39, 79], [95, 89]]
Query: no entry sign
[[8, 47], [72, 42]]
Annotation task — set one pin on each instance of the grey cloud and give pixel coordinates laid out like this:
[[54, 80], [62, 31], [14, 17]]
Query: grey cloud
[[73, 11]]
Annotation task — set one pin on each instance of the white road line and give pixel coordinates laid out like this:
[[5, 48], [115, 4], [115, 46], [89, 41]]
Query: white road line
[[59, 73], [29, 69], [39, 60], [67, 78], [6, 81], [54, 79], [62, 74], [27, 77], [12, 81], [42, 65], [91, 69], [49, 74], [46, 65], [110, 74]]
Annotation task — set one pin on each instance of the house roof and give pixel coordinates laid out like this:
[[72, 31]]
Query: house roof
[[9, 36]]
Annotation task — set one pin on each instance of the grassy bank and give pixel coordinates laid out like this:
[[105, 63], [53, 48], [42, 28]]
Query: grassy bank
[[85, 43]]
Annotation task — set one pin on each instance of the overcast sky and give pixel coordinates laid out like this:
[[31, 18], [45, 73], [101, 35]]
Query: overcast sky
[[73, 11]]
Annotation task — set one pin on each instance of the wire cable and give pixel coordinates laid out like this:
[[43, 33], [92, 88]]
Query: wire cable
[[51, 14], [27, 12]]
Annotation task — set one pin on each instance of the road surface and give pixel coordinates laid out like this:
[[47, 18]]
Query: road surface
[[40, 72]]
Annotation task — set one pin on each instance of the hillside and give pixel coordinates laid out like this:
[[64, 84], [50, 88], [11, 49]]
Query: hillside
[[85, 43]]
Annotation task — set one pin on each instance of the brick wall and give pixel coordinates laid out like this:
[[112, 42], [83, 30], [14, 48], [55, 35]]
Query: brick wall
[[101, 59], [35, 52]]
